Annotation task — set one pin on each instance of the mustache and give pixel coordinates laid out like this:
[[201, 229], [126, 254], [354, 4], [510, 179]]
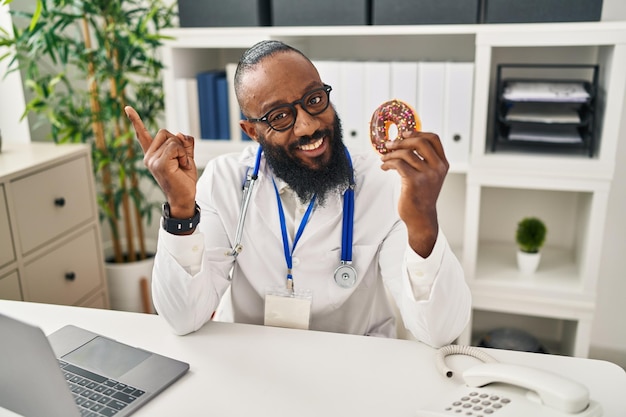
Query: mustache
[[305, 140]]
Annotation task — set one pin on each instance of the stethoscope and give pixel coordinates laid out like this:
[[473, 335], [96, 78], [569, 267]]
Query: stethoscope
[[345, 274]]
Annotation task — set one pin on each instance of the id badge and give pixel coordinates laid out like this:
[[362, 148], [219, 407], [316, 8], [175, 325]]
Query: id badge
[[284, 308]]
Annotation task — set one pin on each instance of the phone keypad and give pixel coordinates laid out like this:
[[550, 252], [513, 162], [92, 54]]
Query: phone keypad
[[478, 404]]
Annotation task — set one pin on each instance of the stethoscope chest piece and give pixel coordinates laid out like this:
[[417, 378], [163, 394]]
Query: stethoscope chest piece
[[345, 276]]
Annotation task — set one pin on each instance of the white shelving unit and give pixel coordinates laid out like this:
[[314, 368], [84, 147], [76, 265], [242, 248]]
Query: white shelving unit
[[483, 200]]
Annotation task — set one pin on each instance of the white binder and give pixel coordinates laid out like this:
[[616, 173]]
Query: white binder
[[330, 74], [377, 90], [355, 129], [430, 95], [234, 111], [187, 109], [458, 111], [404, 82]]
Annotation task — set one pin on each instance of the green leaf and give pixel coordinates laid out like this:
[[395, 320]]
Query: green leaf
[[36, 15]]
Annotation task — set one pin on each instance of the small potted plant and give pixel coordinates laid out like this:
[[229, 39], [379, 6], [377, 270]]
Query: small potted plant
[[530, 237]]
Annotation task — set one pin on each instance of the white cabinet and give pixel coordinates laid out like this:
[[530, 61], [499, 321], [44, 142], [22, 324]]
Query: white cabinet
[[482, 200], [50, 246]]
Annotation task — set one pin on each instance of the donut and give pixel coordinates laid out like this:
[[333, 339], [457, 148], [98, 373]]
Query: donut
[[393, 112]]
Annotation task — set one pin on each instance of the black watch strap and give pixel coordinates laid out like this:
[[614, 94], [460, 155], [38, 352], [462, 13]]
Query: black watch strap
[[179, 226]]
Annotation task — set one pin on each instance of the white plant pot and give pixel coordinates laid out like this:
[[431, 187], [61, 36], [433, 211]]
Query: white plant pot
[[130, 284], [528, 262]]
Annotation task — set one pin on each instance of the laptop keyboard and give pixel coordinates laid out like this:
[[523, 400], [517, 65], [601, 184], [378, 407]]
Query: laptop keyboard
[[95, 395]]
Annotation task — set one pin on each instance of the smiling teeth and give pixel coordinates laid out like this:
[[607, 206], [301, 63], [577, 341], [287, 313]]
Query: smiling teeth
[[312, 146]]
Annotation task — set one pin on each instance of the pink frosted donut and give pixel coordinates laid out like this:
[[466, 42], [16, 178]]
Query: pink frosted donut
[[392, 112]]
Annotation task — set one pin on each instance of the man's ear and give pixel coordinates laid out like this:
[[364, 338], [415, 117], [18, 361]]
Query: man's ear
[[249, 129]]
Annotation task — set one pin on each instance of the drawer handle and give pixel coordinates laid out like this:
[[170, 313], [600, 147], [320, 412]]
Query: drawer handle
[[70, 276], [59, 201]]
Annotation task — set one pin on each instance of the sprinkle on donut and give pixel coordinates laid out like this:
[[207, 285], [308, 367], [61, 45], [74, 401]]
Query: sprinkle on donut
[[392, 112]]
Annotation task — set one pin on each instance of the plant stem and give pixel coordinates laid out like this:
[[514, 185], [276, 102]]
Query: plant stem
[[98, 130]]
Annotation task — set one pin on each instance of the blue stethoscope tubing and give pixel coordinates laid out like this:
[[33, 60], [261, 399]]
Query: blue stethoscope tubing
[[345, 274]]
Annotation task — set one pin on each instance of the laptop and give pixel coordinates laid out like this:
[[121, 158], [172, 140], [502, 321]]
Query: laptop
[[75, 372]]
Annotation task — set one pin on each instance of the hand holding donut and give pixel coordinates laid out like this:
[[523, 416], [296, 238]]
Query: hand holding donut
[[169, 158], [420, 160]]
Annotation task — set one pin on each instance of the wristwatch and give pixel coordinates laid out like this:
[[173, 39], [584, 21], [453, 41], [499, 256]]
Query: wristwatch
[[179, 226]]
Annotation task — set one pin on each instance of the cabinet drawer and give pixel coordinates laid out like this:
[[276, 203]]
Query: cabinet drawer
[[7, 253], [66, 274], [51, 202], [10, 287]]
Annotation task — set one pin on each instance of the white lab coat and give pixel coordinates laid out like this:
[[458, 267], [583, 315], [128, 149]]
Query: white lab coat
[[191, 273]]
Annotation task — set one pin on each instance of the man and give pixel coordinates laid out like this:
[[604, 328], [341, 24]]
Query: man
[[294, 264]]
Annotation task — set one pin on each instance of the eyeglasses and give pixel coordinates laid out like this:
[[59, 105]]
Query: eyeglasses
[[283, 117]]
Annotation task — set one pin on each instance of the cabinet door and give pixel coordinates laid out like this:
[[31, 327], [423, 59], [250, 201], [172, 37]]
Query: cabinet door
[[7, 253], [10, 287], [52, 202], [65, 275]]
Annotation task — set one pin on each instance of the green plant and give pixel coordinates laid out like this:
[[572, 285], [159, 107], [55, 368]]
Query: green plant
[[531, 234], [83, 62]]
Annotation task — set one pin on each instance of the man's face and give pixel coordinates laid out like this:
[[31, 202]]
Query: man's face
[[310, 155], [281, 79]]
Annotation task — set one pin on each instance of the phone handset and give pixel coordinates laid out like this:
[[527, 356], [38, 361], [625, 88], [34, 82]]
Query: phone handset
[[553, 390], [510, 390]]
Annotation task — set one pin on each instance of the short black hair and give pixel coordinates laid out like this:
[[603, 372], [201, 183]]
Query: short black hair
[[256, 54]]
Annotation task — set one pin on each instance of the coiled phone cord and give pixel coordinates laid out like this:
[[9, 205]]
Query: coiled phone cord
[[443, 352]]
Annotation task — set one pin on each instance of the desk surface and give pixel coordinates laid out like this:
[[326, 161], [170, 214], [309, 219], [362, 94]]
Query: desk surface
[[246, 370]]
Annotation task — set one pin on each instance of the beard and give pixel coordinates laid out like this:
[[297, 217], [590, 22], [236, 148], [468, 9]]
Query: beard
[[328, 177]]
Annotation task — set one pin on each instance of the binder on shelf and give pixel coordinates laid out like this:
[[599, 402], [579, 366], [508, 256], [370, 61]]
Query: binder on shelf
[[377, 88], [355, 128], [193, 108], [458, 100], [207, 102], [430, 95], [187, 110], [223, 122], [330, 74], [403, 82], [234, 111]]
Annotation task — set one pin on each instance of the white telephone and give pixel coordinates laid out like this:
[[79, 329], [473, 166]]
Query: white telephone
[[507, 390]]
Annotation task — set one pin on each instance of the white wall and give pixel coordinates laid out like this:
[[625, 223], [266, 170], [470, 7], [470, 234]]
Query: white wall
[[613, 10], [11, 96]]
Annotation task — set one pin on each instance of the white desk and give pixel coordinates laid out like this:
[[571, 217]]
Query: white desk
[[244, 370]]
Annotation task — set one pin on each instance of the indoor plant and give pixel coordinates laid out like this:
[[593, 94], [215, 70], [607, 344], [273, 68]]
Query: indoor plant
[[82, 63], [530, 237]]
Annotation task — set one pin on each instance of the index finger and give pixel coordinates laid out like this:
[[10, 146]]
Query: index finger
[[431, 138], [143, 136]]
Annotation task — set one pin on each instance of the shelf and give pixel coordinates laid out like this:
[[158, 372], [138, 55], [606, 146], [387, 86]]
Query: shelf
[[556, 336], [558, 275], [566, 33]]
